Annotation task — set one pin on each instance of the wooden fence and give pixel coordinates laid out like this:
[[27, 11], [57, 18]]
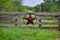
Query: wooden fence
[[15, 16]]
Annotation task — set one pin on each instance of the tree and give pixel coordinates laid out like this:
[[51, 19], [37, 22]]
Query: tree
[[48, 5], [13, 5], [54, 9], [2, 4], [37, 8]]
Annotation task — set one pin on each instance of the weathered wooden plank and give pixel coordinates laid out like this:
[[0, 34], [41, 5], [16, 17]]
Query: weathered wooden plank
[[49, 27], [22, 23], [40, 18], [17, 17], [50, 23], [4, 18], [40, 27], [7, 17], [7, 22], [11, 22], [3, 12], [29, 27], [54, 14], [49, 18], [38, 13]]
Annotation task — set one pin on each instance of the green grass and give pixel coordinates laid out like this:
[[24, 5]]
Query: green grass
[[27, 34]]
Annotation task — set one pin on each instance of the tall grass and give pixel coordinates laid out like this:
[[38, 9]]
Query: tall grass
[[27, 34]]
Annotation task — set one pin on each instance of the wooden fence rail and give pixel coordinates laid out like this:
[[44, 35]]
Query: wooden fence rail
[[16, 18]]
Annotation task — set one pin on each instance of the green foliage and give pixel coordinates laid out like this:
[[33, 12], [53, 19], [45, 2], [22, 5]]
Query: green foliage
[[37, 8], [31, 9], [54, 9], [16, 5], [27, 34], [2, 4], [12, 5], [48, 6], [3, 34], [45, 7]]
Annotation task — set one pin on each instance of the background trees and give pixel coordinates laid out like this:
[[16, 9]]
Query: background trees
[[12, 5], [49, 6], [16, 5]]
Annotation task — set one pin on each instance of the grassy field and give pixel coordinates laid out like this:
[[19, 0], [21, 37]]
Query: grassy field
[[28, 34]]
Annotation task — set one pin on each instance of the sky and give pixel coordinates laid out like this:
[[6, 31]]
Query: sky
[[32, 2]]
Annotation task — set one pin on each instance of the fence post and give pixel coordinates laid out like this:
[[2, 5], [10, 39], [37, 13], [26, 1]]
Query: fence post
[[40, 23], [16, 20], [59, 22]]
